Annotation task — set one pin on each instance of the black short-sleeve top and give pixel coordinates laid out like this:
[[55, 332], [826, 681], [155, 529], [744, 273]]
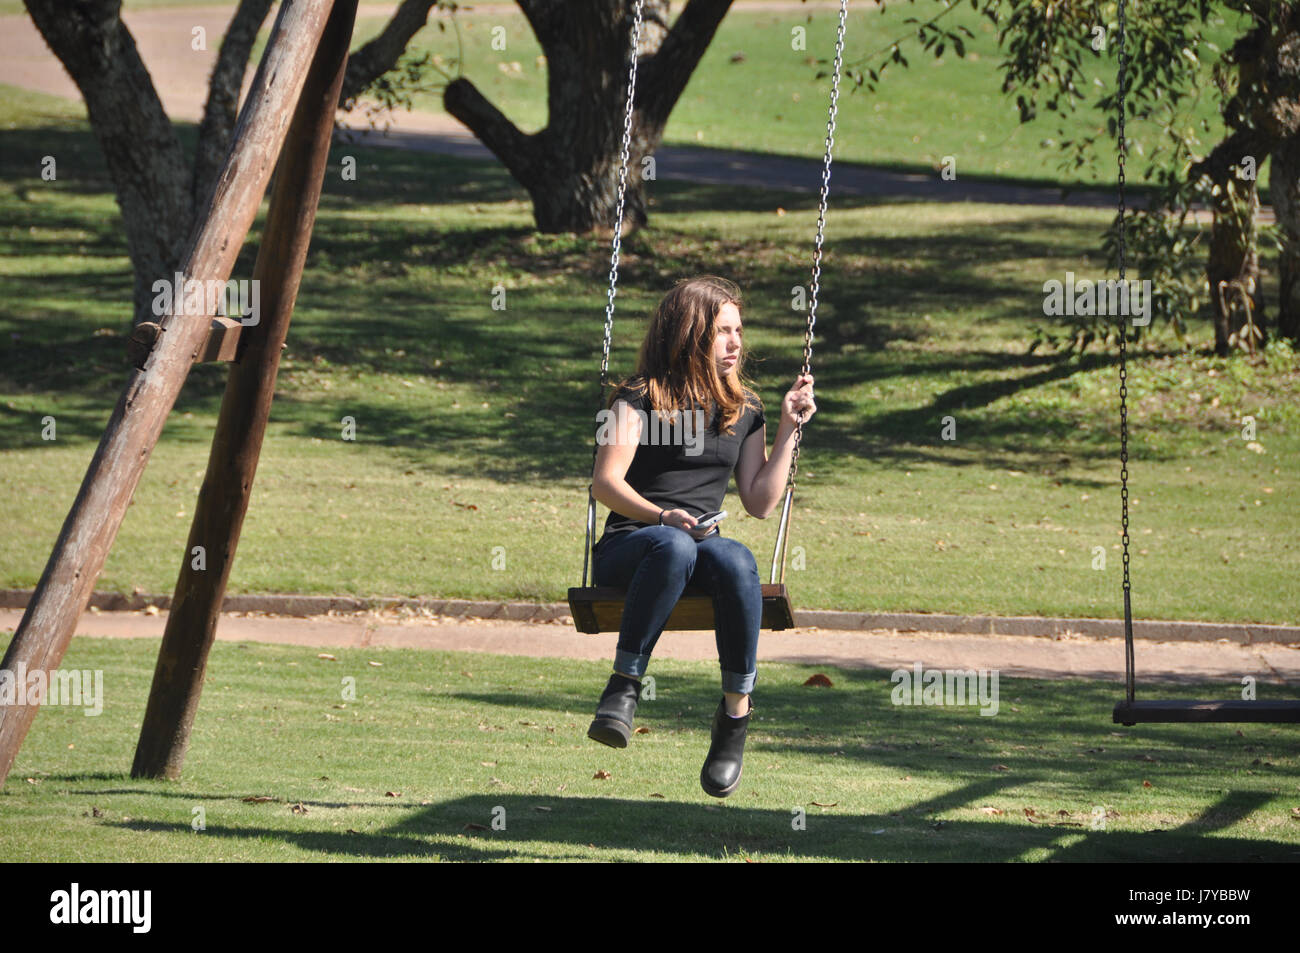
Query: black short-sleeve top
[[682, 462]]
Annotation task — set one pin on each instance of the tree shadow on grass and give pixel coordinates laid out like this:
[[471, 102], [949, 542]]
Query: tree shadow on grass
[[1036, 732], [358, 311], [1055, 737], [461, 829]]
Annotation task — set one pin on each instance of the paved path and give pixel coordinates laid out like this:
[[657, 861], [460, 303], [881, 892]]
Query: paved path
[[1064, 657], [180, 75]]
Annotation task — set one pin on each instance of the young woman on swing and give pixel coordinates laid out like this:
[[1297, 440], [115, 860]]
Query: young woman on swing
[[658, 484]]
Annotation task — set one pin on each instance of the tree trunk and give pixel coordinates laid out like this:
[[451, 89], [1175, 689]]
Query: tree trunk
[[222, 107], [160, 193], [1233, 267], [1285, 188], [1284, 179], [144, 157], [571, 168]]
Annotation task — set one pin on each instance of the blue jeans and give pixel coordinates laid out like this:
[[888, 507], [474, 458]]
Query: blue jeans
[[654, 564]]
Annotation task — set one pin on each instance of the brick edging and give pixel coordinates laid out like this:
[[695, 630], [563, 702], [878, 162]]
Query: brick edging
[[1042, 627]]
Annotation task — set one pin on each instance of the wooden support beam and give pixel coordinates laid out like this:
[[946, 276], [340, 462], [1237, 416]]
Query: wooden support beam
[[245, 409], [91, 526], [221, 343]]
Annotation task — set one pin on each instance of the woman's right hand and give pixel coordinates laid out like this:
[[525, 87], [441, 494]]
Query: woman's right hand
[[683, 520], [679, 518]]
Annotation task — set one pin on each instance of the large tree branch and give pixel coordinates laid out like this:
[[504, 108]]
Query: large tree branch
[[508, 143], [144, 156], [1227, 155], [669, 69], [541, 14], [222, 107], [381, 54]]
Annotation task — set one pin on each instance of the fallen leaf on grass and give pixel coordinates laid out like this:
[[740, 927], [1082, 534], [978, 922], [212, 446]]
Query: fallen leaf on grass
[[353, 830], [819, 681], [643, 730], [538, 807], [819, 804], [1146, 784], [327, 657], [392, 794], [991, 810], [1000, 767], [299, 808], [258, 798], [601, 775], [658, 795]]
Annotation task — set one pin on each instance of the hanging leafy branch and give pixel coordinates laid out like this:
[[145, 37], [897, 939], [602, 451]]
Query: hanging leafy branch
[[1051, 45]]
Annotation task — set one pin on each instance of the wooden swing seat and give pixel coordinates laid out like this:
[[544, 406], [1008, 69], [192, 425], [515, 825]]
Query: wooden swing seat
[[1189, 710], [599, 609]]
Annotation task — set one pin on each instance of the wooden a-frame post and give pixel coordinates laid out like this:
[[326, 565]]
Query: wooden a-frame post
[[137, 420], [245, 408]]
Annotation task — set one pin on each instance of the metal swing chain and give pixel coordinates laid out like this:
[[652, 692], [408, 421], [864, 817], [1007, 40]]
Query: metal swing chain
[[587, 555], [778, 553], [1123, 390]]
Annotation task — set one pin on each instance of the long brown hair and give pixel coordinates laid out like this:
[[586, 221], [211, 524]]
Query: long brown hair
[[676, 364]]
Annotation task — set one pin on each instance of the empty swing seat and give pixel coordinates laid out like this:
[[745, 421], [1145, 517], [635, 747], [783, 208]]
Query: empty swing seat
[[598, 609], [1189, 710]]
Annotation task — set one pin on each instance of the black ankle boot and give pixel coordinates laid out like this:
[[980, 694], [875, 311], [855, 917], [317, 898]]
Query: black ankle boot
[[613, 723], [720, 775]]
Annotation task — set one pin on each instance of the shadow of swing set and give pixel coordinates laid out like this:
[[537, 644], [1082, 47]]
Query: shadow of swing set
[[285, 126]]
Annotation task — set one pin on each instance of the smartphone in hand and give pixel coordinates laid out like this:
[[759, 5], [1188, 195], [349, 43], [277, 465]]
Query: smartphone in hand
[[710, 519]]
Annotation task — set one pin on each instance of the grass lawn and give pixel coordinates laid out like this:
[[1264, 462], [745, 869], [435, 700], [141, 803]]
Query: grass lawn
[[436, 745], [474, 426]]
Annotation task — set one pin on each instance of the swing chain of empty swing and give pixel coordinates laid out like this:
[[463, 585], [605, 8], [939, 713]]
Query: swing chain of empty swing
[[1123, 389], [613, 271], [778, 554]]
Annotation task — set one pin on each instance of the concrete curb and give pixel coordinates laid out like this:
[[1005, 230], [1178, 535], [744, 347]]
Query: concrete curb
[[558, 612]]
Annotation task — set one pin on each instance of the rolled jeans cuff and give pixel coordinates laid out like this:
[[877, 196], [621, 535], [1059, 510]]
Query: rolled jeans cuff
[[629, 663], [737, 683]]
